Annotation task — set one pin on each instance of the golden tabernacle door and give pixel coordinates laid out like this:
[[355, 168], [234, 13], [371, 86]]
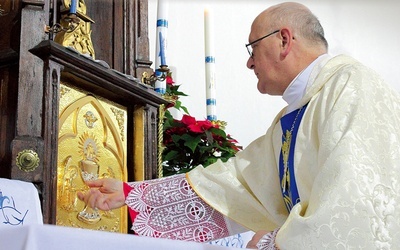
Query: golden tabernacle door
[[91, 145]]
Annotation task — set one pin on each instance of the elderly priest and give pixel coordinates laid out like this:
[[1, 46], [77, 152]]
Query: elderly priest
[[326, 175]]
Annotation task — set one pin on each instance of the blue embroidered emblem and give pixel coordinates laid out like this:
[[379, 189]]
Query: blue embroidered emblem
[[10, 213]]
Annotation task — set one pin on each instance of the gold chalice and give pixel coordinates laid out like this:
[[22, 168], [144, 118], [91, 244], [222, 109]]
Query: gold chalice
[[89, 171]]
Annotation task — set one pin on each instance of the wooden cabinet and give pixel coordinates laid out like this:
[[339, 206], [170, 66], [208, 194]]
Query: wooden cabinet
[[33, 69]]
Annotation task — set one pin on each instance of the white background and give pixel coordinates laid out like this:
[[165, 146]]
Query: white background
[[368, 30]]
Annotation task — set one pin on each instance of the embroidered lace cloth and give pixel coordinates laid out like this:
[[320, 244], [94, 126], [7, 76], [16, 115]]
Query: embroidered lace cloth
[[267, 242], [169, 208]]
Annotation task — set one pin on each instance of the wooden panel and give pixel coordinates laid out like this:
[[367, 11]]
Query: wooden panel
[[8, 102], [141, 39], [9, 28], [29, 128], [120, 34], [9, 47], [152, 139], [100, 80]]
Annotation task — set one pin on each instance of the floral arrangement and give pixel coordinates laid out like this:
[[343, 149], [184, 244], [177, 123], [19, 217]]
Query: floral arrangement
[[189, 142]]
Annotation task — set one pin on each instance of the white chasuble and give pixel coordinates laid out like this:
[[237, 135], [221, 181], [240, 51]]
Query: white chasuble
[[346, 163]]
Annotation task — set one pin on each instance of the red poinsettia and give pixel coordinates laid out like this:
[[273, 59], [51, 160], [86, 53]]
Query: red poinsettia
[[169, 80], [196, 126], [190, 142]]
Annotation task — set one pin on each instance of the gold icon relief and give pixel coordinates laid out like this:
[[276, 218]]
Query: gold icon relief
[[90, 147], [80, 37], [63, 91], [120, 117], [90, 119]]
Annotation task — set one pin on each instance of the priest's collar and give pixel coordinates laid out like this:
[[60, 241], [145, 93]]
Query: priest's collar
[[296, 89]]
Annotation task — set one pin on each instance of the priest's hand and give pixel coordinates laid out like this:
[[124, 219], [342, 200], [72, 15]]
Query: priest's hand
[[263, 240], [105, 194]]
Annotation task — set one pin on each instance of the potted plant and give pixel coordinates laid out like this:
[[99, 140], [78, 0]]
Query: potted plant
[[189, 142]]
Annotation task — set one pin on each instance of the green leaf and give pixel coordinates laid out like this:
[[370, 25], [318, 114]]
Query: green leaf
[[170, 155], [185, 110], [191, 142], [218, 131]]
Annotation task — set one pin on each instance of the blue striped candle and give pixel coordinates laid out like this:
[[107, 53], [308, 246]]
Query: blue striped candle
[[161, 43], [211, 100], [73, 7]]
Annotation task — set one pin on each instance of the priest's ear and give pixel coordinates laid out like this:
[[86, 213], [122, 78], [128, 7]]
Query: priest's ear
[[287, 39]]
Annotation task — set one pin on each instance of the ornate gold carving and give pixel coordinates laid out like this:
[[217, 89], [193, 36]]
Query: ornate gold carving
[[2, 12], [89, 171], [89, 147], [119, 116], [160, 139], [90, 119], [7, 7], [27, 160], [79, 38], [63, 91], [67, 194]]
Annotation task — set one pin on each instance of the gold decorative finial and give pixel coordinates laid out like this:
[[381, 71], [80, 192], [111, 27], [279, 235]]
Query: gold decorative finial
[[74, 28]]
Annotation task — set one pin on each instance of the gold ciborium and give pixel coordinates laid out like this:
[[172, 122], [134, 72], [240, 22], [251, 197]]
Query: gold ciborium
[[89, 171]]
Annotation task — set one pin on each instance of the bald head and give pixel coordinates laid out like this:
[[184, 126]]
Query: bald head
[[278, 57], [296, 16]]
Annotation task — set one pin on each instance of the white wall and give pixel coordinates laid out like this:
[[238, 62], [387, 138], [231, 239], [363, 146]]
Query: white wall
[[368, 30]]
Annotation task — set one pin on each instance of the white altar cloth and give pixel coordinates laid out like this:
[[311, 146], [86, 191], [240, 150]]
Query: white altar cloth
[[19, 204], [39, 237]]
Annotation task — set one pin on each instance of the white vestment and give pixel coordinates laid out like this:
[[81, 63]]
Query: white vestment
[[347, 168]]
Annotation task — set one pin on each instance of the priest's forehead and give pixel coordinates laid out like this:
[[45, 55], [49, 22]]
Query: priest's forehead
[[277, 16]]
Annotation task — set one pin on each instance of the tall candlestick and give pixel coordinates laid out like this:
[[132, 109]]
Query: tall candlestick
[[73, 7], [211, 100], [161, 47]]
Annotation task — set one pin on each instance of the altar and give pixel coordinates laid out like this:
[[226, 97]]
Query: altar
[[74, 98], [38, 237], [73, 101]]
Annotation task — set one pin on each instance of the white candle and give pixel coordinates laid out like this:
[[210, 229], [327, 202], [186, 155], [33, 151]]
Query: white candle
[[211, 100], [161, 42]]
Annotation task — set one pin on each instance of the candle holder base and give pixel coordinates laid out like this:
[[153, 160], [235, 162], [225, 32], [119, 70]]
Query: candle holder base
[[150, 80]]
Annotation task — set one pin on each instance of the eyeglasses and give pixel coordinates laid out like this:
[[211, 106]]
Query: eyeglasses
[[250, 49]]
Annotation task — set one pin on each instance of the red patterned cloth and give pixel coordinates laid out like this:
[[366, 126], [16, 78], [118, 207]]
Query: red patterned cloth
[[169, 208]]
